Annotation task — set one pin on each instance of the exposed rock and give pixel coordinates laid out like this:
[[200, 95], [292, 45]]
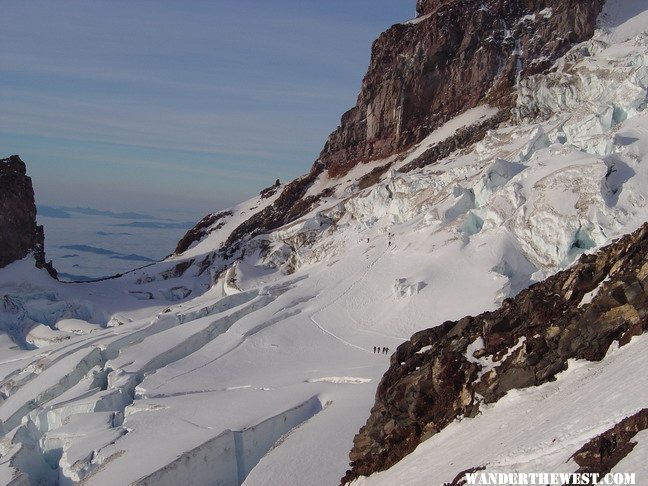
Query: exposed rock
[[177, 270], [462, 139], [202, 229], [372, 177], [446, 372], [289, 206], [270, 191], [285, 209], [456, 55], [20, 235], [605, 451]]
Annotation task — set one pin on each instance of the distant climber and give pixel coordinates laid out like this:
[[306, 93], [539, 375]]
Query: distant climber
[[374, 349]]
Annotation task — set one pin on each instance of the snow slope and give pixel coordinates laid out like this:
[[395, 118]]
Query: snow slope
[[565, 414], [264, 372]]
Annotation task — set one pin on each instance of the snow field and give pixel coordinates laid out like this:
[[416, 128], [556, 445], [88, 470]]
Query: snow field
[[264, 375]]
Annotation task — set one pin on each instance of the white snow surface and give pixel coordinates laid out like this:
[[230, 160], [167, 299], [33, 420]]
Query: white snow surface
[[263, 374]]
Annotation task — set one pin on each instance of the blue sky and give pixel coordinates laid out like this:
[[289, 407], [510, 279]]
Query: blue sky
[[178, 105]]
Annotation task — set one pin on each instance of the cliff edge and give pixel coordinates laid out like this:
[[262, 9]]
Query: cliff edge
[[20, 233]]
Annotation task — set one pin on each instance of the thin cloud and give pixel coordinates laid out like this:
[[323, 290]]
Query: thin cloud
[[241, 134]]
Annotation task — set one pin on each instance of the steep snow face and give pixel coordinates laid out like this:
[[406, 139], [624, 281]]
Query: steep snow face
[[266, 366]]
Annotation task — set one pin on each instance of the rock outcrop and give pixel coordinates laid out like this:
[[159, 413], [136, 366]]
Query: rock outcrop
[[455, 55], [606, 450], [447, 372], [19, 233], [203, 228], [289, 206]]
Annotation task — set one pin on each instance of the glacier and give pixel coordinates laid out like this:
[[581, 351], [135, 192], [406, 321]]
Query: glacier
[[259, 368]]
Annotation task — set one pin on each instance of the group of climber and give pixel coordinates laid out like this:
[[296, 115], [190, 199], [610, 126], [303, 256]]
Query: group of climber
[[381, 350]]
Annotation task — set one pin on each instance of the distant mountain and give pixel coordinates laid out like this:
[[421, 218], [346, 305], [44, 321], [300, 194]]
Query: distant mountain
[[63, 212], [90, 249], [147, 224], [52, 212]]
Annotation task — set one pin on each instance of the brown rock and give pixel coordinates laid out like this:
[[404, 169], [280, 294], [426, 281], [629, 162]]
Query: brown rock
[[605, 451], [460, 54], [204, 227], [545, 323], [19, 234]]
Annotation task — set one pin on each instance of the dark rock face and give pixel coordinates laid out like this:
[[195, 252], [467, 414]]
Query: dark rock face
[[461, 53], [288, 207], [270, 191], [464, 137], [529, 340], [605, 451], [19, 233], [202, 229]]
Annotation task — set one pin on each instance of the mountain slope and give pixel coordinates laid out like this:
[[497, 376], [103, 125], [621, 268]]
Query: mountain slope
[[248, 356], [454, 57], [452, 371]]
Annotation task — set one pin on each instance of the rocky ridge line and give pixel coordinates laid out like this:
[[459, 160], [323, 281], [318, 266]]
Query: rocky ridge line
[[447, 372]]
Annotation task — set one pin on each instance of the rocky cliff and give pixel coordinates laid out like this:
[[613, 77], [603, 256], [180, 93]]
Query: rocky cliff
[[447, 372], [20, 234], [455, 55]]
